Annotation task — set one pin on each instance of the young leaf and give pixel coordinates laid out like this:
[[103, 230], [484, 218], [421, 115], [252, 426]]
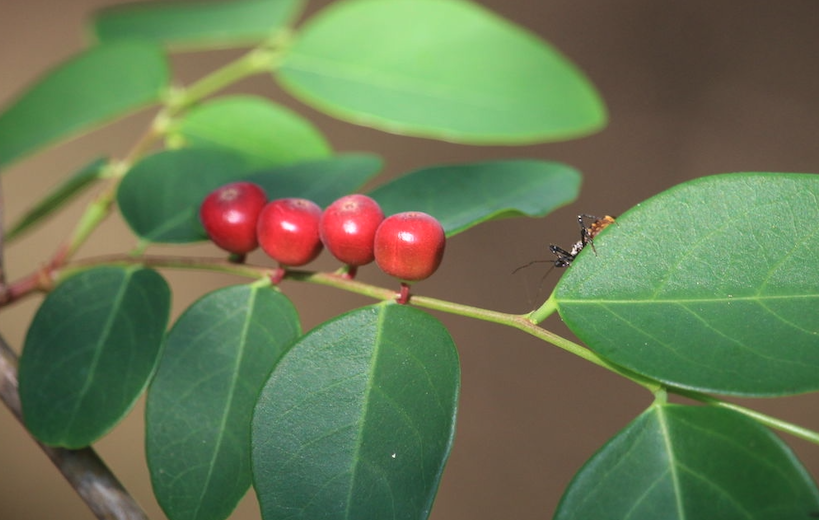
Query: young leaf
[[357, 419], [711, 285], [160, 196], [264, 133], [98, 85], [89, 352], [691, 462], [216, 359], [462, 196], [196, 25], [446, 70], [58, 197], [321, 181]]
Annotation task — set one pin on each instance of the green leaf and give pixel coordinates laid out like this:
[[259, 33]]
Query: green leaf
[[197, 25], [446, 70], [462, 196], [683, 462], [160, 196], [90, 351], [357, 419], [96, 86], [58, 197], [217, 357], [321, 181], [266, 134], [712, 285]]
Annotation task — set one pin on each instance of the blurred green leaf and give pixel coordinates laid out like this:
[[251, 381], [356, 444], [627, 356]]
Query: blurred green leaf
[[160, 196], [264, 133], [321, 181], [98, 85], [691, 462], [712, 285], [357, 419], [58, 197], [464, 195], [217, 357], [90, 351], [446, 70], [196, 25]]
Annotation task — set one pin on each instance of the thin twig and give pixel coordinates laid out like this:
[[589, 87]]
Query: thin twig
[[83, 468]]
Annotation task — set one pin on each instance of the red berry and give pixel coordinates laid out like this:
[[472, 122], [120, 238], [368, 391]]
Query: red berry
[[229, 215], [288, 231], [348, 227], [409, 246]]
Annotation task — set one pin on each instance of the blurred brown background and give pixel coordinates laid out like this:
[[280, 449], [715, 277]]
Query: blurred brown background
[[694, 88]]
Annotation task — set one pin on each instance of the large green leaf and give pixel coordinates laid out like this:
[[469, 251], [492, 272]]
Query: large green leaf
[[464, 195], [216, 359], [711, 285], [321, 181], [196, 25], [447, 70], [94, 87], [160, 196], [90, 351], [58, 197], [357, 419], [691, 463], [264, 133]]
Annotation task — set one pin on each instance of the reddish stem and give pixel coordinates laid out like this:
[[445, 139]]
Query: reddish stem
[[404, 295], [278, 275], [39, 280]]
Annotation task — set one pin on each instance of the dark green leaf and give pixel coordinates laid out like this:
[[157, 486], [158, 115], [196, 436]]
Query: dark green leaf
[[683, 462], [357, 419], [197, 25], [264, 133], [711, 285], [90, 351], [217, 357], [321, 181], [58, 197], [462, 196], [447, 70], [94, 87], [160, 196]]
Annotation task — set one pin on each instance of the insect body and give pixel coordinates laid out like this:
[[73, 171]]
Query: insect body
[[587, 234]]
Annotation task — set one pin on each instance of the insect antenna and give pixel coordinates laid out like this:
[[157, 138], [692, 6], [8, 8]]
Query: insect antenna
[[533, 262]]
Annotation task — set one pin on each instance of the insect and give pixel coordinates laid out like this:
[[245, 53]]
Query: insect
[[587, 234]]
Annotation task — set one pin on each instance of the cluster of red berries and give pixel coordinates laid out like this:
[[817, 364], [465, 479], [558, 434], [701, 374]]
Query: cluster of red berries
[[238, 218]]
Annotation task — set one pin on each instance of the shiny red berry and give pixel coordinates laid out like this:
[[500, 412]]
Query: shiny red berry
[[288, 231], [229, 215], [348, 228], [409, 246]]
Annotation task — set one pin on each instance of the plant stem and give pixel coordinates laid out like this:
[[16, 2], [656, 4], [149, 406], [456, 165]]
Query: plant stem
[[767, 420], [521, 322], [544, 311], [83, 468], [258, 60]]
